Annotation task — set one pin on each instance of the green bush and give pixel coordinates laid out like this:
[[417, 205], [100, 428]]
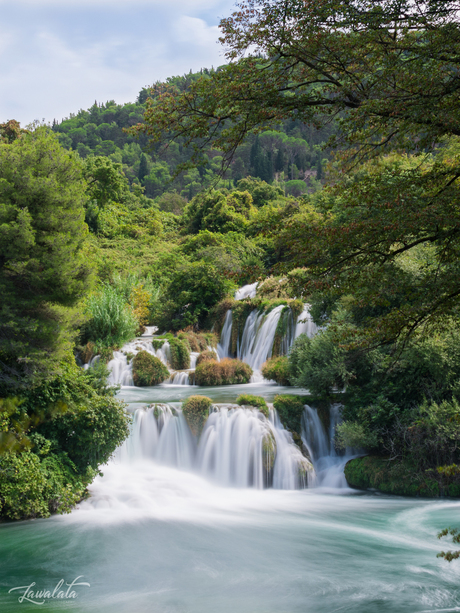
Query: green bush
[[206, 356], [33, 486], [253, 401], [225, 372], [277, 369], [355, 435], [196, 411], [112, 321], [193, 290], [148, 370], [180, 354]]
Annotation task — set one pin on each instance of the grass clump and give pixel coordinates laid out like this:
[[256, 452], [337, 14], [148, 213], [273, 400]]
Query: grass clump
[[196, 411], [253, 401], [148, 370], [206, 356], [226, 372], [112, 321], [277, 369]]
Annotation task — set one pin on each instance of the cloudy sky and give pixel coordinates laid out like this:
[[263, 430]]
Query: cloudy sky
[[57, 56]]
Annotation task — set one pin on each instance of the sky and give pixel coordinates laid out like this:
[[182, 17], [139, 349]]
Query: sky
[[58, 56]]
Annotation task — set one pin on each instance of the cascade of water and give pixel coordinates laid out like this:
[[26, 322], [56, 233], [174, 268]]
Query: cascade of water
[[223, 348], [121, 372], [247, 291], [320, 444], [305, 324], [238, 447], [257, 340]]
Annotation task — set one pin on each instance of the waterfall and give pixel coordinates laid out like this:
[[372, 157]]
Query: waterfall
[[320, 444], [121, 371], [223, 348], [247, 291], [257, 340], [238, 447]]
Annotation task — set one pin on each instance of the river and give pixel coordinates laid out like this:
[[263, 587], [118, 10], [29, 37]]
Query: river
[[156, 539]]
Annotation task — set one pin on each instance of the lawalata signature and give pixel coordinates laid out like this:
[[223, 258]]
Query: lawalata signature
[[62, 591]]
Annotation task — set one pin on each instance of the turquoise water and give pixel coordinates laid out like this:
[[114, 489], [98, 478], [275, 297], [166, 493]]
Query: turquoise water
[[158, 540]]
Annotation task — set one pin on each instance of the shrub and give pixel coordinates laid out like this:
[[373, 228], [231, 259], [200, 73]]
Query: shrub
[[355, 435], [196, 411], [148, 369], [226, 372], [208, 373], [33, 486], [180, 354], [253, 401], [206, 356], [277, 369]]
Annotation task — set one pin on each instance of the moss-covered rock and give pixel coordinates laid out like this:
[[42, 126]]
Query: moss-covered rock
[[277, 369], [290, 409], [158, 343], [398, 477], [180, 354], [206, 356], [226, 372], [268, 451], [196, 411], [148, 370], [253, 401]]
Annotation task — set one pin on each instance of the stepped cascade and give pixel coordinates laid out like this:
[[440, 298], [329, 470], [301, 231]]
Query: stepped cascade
[[238, 447], [254, 346], [256, 343]]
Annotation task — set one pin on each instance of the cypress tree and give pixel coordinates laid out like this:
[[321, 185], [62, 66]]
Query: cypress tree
[[143, 170]]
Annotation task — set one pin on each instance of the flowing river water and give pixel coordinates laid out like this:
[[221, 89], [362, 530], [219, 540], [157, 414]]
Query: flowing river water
[[164, 537]]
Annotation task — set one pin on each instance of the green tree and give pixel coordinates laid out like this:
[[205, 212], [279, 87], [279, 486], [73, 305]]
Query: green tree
[[371, 66], [143, 169], [43, 268]]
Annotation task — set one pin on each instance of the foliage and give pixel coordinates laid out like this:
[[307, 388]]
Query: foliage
[[355, 436], [225, 372], [148, 370], [64, 429], [196, 411], [34, 486], [277, 369], [44, 270], [216, 212], [450, 555], [206, 356], [192, 292], [253, 401]]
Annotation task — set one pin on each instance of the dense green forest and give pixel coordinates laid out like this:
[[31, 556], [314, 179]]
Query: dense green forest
[[107, 226], [293, 154]]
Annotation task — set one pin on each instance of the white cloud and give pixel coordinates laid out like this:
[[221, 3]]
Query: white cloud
[[195, 31]]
